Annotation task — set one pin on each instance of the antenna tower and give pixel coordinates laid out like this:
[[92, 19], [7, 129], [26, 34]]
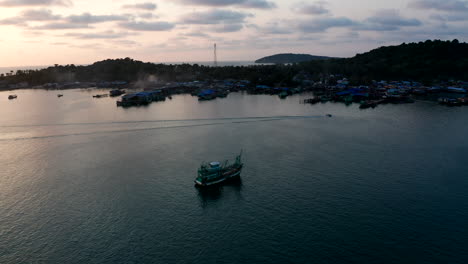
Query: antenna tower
[[215, 62]]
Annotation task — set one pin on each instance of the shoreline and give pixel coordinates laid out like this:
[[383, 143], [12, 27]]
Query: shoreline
[[366, 97]]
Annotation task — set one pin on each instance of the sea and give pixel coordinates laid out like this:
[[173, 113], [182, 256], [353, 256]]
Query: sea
[[85, 181]]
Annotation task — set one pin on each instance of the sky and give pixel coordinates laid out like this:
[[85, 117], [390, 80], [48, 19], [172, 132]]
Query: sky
[[48, 32]]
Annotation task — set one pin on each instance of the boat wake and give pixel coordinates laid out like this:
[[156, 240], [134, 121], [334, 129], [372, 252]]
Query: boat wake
[[162, 124], [162, 121]]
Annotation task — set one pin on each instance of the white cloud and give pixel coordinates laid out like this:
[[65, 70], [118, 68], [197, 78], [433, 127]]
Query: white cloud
[[147, 26], [143, 6], [19, 3]]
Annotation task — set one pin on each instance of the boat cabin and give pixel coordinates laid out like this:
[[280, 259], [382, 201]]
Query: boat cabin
[[214, 165]]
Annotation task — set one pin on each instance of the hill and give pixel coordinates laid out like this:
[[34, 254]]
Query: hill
[[289, 58], [424, 61]]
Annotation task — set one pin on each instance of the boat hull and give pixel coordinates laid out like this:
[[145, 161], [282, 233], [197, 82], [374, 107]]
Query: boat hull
[[228, 176]]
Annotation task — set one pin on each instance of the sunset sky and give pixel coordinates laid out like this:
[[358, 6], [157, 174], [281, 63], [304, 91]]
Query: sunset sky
[[45, 32]]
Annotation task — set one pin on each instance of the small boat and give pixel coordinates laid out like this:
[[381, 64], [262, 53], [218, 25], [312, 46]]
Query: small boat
[[367, 104], [463, 100], [324, 99], [449, 101], [283, 95], [116, 92], [215, 173], [134, 100], [100, 95], [59, 95], [312, 100], [328, 115], [348, 100], [443, 100], [222, 94], [206, 97], [454, 102], [13, 96]]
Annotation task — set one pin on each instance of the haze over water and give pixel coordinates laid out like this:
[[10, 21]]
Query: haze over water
[[83, 181]]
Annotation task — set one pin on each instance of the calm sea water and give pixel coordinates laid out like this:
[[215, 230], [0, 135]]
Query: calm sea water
[[83, 181]]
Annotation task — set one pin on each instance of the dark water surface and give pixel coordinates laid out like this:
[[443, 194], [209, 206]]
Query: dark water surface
[[83, 181]]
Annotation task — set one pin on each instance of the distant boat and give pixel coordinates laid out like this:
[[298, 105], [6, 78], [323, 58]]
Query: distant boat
[[450, 101], [116, 92], [367, 104], [59, 95], [141, 98], [13, 96], [215, 173], [283, 95], [312, 100], [100, 95]]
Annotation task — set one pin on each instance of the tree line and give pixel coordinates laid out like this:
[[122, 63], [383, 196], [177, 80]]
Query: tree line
[[427, 61]]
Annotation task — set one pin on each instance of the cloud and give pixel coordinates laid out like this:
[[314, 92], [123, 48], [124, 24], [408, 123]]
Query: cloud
[[39, 15], [215, 16], [274, 28], [197, 34], [147, 26], [456, 17], [324, 23], [16, 3], [147, 15], [30, 15], [258, 4], [382, 20], [317, 8], [87, 18], [144, 6], [124, 42], [32, 33], [61, 25], [12, 21], [109, 34], [387, 20], [440, 5], [227, 28], [90, 46]]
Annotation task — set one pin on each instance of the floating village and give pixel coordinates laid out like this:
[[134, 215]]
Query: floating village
[[333, 88]]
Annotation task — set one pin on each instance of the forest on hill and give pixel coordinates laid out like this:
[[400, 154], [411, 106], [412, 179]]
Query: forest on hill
[[290, 58], [424, 61]]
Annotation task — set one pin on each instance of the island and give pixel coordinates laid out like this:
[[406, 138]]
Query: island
[[290, 58]]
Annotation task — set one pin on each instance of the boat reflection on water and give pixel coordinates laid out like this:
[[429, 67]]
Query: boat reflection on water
[[211, 194]]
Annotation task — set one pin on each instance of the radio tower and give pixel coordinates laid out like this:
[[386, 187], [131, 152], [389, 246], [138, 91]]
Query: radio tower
[[215, 62]]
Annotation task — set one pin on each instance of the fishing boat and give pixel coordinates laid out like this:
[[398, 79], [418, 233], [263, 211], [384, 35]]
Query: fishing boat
[[116, 92], [59, 95], [13, 96], [215, 172]]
